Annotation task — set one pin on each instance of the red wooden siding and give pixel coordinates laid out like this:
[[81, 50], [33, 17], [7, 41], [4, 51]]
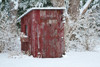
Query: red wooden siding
[[45, 33]]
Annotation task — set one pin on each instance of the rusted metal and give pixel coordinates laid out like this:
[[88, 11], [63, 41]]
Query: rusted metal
[[45, 32]]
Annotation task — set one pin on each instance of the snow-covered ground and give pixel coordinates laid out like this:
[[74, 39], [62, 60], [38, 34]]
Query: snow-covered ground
[[71, 59]]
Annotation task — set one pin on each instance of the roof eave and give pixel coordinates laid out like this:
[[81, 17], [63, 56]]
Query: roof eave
[[41, 8]]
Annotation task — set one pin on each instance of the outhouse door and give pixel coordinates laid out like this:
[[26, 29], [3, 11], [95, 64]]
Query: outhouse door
[[49, 38], [45, 39]]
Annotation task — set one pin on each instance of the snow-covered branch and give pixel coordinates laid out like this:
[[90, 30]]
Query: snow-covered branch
[[85, 7], [15, 2]]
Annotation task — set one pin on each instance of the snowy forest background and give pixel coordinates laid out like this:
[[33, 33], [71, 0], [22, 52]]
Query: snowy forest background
[[82, 27]]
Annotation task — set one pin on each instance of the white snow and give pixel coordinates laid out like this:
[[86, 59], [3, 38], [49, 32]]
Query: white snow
[[71, 59], [15, 4], [0, 1], [39, 4]]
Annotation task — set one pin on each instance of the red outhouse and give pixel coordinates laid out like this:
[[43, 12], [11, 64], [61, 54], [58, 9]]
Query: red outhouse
[[44, 31]]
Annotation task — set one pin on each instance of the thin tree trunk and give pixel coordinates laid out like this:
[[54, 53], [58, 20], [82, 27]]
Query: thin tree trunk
[[58, 3], [73, 9], [13, 16], [73, 12]]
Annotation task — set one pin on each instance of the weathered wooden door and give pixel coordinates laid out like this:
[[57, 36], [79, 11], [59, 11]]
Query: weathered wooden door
[[49, 34], [49, 38], [46, 34]]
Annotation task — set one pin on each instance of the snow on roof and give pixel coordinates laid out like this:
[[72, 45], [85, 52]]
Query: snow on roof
[[41, 8]]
